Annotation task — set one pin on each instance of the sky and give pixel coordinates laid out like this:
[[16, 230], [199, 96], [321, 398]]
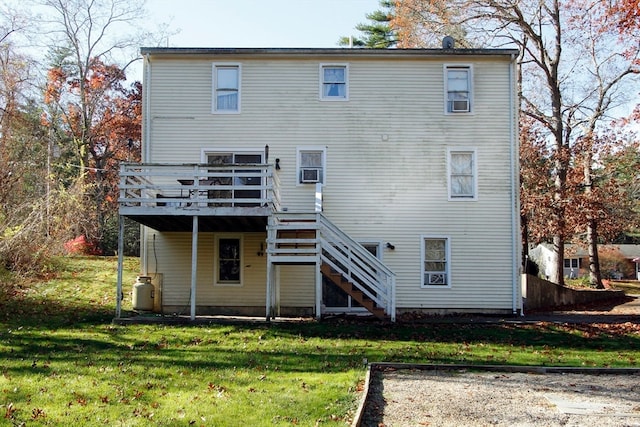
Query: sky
[[260, 23]]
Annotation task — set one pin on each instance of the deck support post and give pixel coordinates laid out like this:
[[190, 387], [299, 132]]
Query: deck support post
[[194, 265], [270, 270], [119, 295], [318, 272], [269, 308]]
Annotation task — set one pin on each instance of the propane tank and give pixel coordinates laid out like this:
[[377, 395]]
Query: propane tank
[[142, 294]]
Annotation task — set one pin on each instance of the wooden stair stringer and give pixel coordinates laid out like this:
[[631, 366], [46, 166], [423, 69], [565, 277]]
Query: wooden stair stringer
[[347, 286]]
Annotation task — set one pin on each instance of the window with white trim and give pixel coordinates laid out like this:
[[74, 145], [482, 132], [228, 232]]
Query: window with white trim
[[462, 174], [435, 261], [458, 88], [334, 82], [228, 258], [226, 88], [311, 165]]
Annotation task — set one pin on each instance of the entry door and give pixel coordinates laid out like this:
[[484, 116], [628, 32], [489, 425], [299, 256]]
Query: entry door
[[338, 301], [237, 195]]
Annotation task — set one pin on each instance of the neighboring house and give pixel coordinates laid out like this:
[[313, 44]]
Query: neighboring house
[[297, 182], [616, 261]]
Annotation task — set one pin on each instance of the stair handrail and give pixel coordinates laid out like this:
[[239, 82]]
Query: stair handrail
[[383, 285], [367, 273]]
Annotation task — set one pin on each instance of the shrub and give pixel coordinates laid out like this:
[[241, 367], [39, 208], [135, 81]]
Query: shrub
[[109, 241], [613, 264], [32, 232]]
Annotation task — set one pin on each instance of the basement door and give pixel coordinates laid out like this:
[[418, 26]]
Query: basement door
[[338, 301]]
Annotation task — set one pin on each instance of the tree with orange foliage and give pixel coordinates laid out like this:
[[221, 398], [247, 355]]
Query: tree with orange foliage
[[98, 133], [627, 14], [94, 119]]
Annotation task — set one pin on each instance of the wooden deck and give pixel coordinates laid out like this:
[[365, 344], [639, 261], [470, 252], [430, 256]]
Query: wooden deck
[[165, 197]]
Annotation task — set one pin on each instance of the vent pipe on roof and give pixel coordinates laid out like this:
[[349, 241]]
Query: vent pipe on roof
[[448, 42]]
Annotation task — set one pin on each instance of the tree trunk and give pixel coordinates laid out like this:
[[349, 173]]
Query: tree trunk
[[560, 182], [595, 277], [557, 272], [524, 230]]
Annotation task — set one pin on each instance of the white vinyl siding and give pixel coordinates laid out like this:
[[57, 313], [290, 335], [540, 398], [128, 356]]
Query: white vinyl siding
[[387, 174], [171, 256]]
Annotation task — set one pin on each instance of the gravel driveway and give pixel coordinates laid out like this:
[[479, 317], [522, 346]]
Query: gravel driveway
[[444, 397]]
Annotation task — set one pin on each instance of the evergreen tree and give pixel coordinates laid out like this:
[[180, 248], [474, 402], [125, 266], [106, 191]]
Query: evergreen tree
[[378, 33]]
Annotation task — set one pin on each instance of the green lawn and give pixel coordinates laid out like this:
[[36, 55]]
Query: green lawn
[[62, 362]]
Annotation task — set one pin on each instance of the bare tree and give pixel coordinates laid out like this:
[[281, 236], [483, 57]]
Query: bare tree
[[83, 33], [573, 71]]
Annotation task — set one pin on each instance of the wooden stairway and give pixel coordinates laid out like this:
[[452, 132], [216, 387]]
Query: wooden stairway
[[347, 286], [298, 238]]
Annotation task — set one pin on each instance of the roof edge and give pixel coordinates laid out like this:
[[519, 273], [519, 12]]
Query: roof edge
[[206, 51]]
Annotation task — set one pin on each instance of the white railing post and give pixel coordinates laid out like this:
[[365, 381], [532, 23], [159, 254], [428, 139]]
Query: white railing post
[[318, 263], [318, 197]]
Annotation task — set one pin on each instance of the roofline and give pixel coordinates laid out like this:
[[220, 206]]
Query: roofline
[[357, 52]]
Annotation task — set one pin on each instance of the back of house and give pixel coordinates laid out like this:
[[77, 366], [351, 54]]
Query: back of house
[[311, 182]]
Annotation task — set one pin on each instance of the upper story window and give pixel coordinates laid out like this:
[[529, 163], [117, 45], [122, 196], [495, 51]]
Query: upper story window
[[458, 89], [311, 165], [334, 82], [462, 174], [226, 88]]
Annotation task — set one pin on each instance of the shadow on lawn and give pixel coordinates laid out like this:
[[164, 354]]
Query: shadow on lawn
[[289, 348], [575, 336], [21, 308], [37, 331]]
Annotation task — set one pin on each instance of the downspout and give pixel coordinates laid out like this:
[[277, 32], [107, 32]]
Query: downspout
[[146, 93], [145, 154], [515, 209]]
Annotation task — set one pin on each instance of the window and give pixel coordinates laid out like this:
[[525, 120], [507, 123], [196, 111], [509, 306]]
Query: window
[[228, 261], [571, 263], [226, 88], [571, 267], [435, 261], [462, 174], [311, 165], [458, 89], [334, 82]]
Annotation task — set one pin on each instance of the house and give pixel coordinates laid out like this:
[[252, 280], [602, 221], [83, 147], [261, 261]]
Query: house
[[306, 182], [621, 261]]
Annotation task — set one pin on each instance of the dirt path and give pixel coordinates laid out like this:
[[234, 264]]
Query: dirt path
[[445, 397]]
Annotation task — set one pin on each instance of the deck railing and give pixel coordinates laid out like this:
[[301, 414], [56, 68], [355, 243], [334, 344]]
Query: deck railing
[[183, 186]]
